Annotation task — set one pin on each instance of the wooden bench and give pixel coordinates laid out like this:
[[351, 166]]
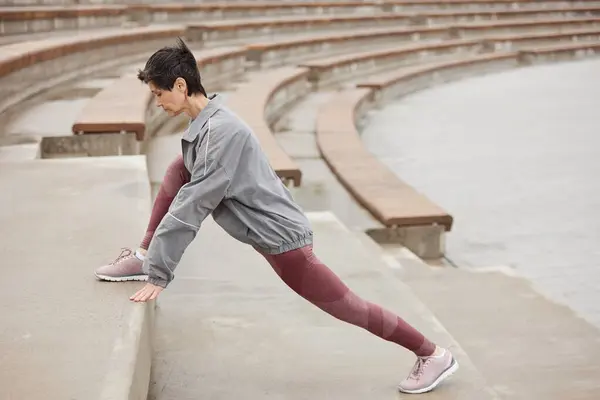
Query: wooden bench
[[118, 108], [17, 20], [391, 85], [402, 5], [46, 63], [211, 11], [122, 107], [282, 52], [261, 101], [560, 52], [331, 70], [271, 26], [392, 202], [35, 19]]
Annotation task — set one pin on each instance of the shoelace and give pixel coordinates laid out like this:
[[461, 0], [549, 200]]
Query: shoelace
[[419, 367], [125, 252]]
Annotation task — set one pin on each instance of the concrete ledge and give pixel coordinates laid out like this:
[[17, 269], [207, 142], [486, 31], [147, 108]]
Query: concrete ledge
[[20, 152], [65, 335], [427, 242], [89, 145], [129, 372]]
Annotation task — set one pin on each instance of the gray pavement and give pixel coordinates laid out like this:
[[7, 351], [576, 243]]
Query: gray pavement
[[526, 345], [514, 157], [228, 327], [62, 331]]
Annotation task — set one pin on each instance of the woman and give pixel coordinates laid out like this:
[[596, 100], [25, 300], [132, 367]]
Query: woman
[[223, 171]]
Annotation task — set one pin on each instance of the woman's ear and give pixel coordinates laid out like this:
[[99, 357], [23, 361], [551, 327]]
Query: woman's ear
[[180, 85]]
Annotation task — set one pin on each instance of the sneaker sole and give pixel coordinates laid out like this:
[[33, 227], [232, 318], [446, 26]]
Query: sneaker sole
[[142, 278], [449, 371]]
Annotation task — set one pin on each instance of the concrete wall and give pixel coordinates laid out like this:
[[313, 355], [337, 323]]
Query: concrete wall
[[89, 145]]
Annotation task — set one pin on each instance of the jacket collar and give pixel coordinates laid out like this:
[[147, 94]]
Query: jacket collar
[[196, 125]]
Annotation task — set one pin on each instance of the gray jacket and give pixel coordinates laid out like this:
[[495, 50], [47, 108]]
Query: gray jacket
[[231, 178]]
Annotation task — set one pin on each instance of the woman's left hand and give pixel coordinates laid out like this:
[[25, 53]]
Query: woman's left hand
[[148, 292]]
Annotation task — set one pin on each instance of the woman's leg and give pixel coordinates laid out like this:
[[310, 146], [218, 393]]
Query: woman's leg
[[305, 274], [175, 177], [128, 265]]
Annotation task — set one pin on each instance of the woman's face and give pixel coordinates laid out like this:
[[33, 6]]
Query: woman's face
[[172, 101]]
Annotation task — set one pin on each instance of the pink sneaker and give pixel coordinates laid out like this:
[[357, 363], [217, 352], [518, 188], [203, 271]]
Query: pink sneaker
[[429, 372], [127, 267]]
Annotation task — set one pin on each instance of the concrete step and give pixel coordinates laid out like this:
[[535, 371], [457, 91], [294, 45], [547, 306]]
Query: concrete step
[[525, 345], [227, 327], [20, 152], [63, 334]]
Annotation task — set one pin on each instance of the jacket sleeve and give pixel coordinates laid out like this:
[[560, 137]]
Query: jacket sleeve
[[195, 200]]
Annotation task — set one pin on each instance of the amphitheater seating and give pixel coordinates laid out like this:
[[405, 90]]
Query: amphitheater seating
[[559, 52], [264, 27], [246, 9], [386, 196], [334, 69], [260, 102], [401, 5], [280, 52], [49, 62], [444, 33], [379, 190], [15, 20], [394, 84]]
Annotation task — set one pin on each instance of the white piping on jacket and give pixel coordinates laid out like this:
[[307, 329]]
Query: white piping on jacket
[[206, 150]]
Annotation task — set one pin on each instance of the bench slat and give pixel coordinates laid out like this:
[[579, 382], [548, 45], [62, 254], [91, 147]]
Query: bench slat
[[120, 107]]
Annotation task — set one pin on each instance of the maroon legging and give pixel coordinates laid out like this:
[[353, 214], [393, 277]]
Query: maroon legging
[[305, 274], [175, 177]]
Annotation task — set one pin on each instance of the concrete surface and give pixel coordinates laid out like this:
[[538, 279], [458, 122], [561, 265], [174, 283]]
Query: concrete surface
[[90, 145], [62, 331], [20, 152], [514, 157], [227, 327], [526, 346]]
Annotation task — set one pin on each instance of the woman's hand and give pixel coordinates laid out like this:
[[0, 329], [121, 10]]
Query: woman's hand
[[148, 292]]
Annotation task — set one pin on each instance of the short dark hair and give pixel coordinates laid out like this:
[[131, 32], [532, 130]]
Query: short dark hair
[[169, 63]]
